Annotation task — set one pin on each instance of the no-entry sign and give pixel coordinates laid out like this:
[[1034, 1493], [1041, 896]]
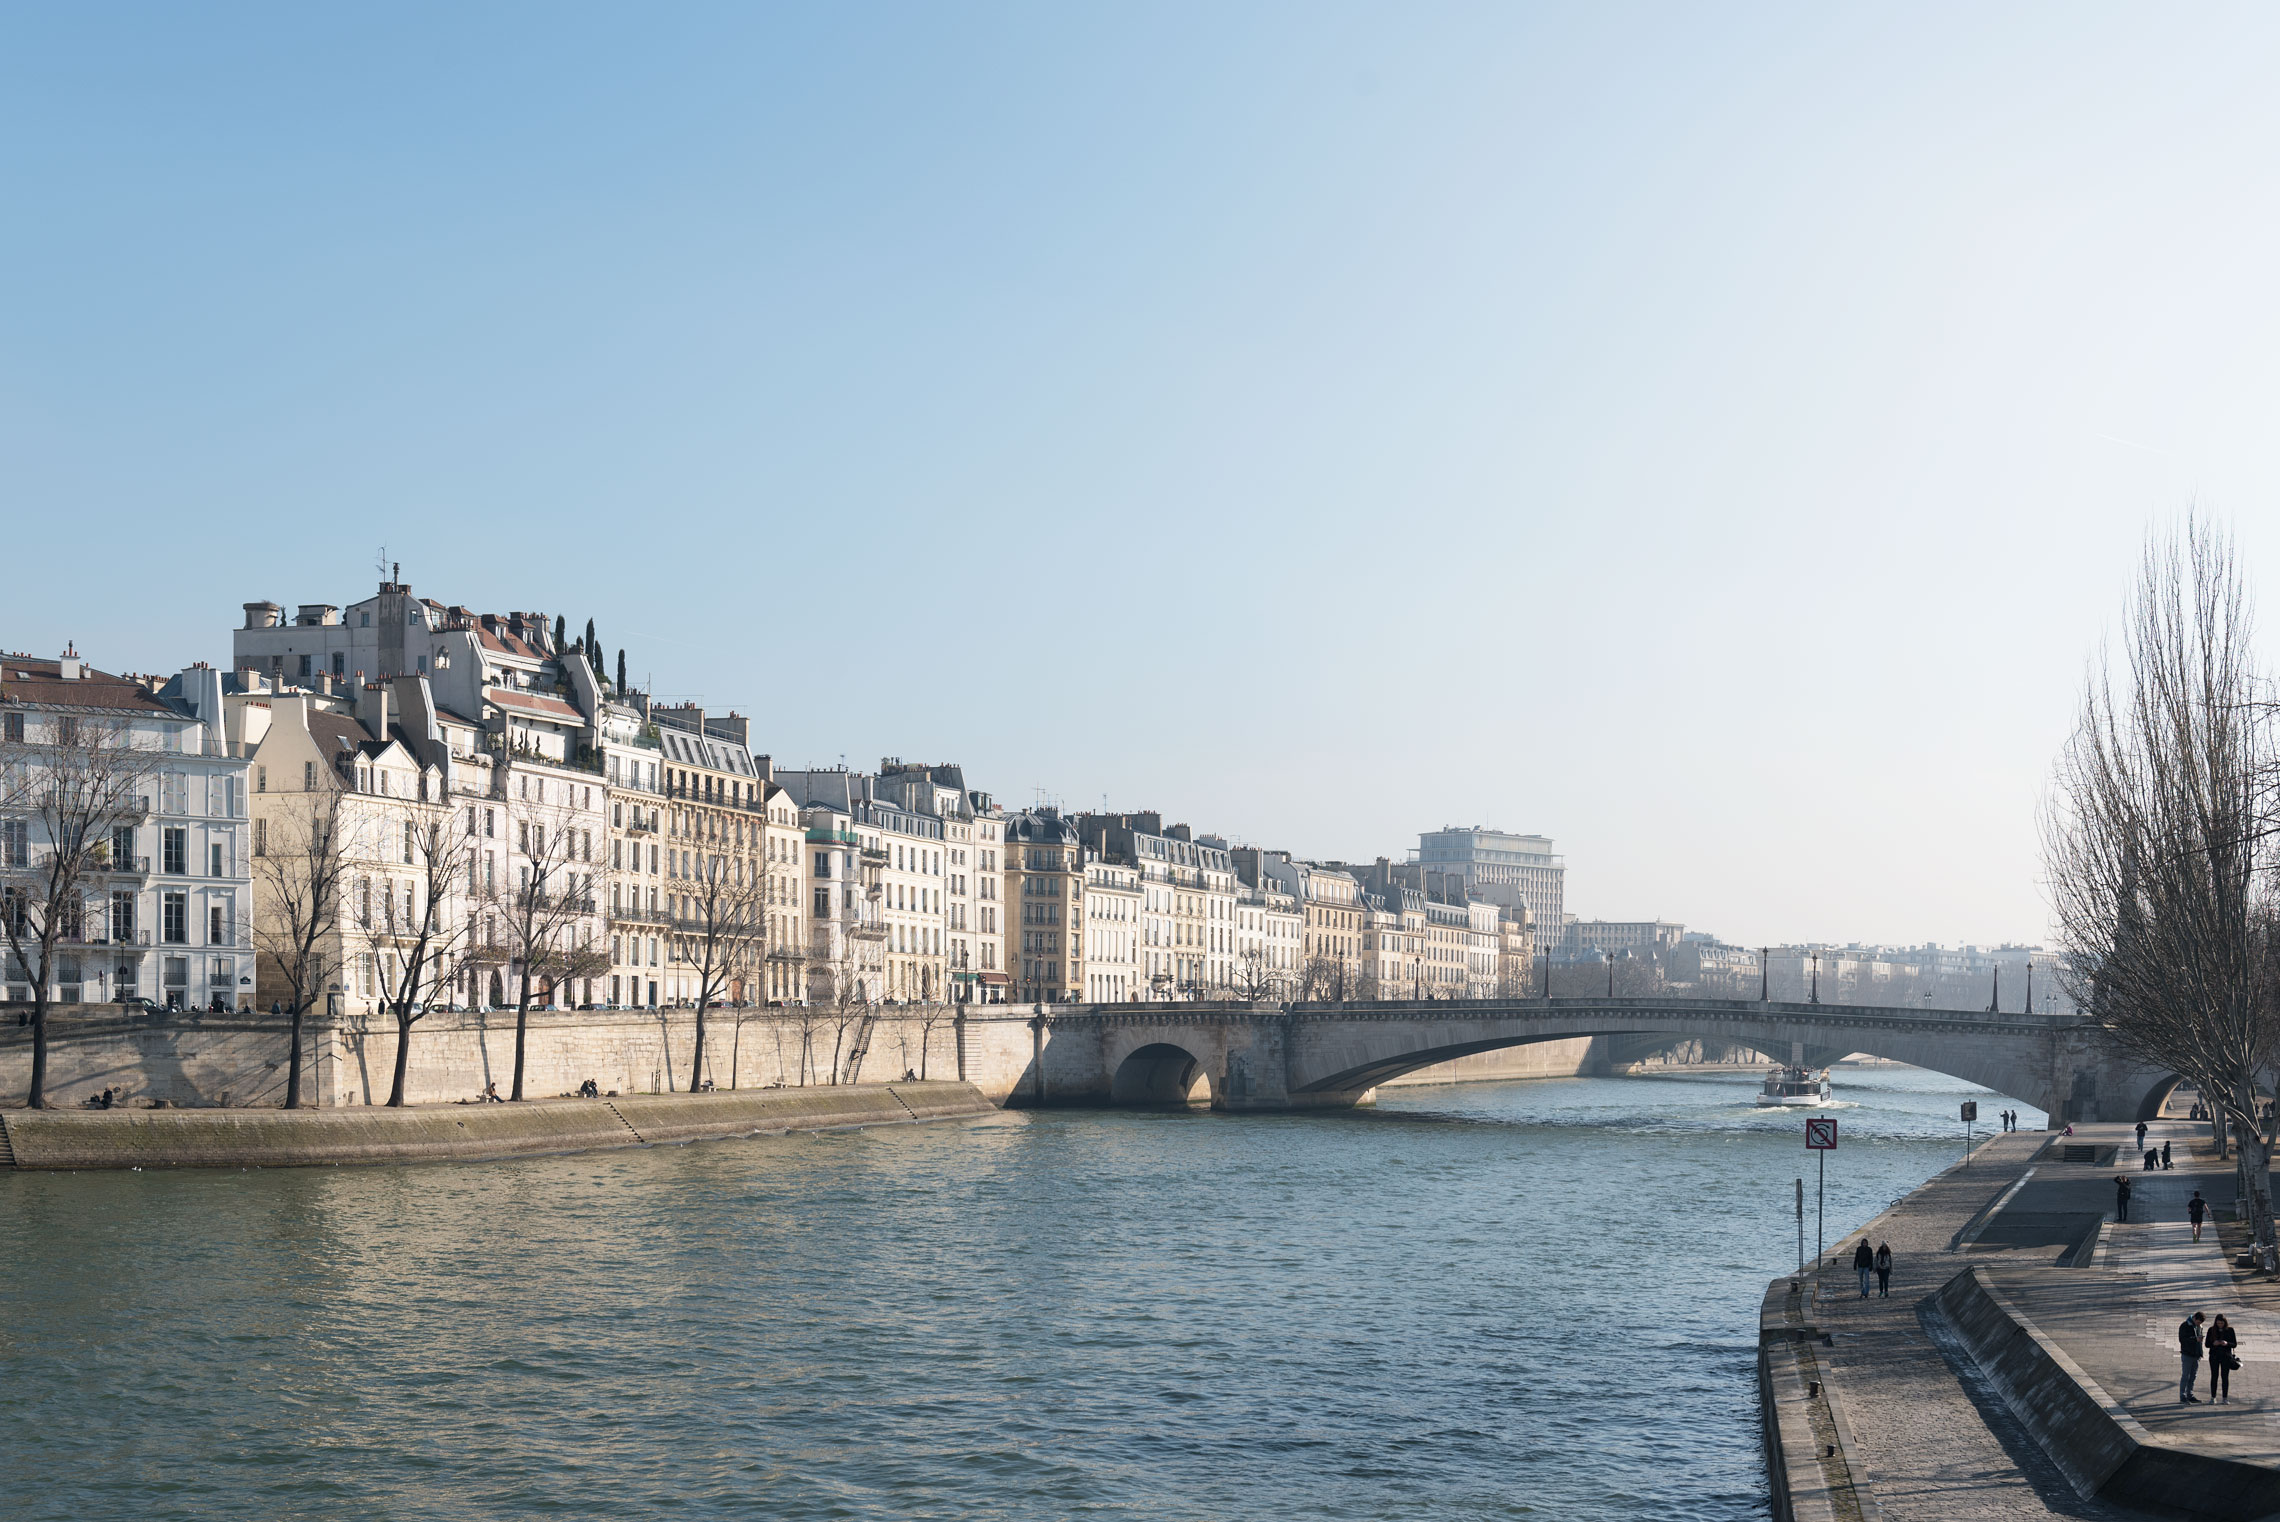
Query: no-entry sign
[[1821, 1135]]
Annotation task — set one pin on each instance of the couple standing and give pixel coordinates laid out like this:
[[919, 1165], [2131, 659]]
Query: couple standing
[[2220, 1341]]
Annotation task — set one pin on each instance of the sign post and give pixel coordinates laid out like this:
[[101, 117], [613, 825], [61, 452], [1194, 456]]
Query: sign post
[[1801, 1228], [1970, 1114], [1821, 1138]]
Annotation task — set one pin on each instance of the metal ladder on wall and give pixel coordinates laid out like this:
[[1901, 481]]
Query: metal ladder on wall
[[7, 1150], [860, 1047]]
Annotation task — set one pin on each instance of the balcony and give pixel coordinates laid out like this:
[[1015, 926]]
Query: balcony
[[821, 837]]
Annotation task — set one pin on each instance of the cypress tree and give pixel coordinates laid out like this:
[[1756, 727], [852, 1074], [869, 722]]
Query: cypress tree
[[621, 671], [561, 634]]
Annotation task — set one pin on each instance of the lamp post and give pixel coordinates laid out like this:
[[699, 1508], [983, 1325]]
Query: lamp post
[[1765, 973], [1816, 976]]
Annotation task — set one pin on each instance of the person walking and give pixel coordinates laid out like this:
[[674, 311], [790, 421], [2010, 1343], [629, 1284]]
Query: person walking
[[1864, 1263], [2121, 1196], [1884, 1270], [2221, 1341], [2141, 1136], [2166, 1164], [2189, 1353], [2196, 1210]]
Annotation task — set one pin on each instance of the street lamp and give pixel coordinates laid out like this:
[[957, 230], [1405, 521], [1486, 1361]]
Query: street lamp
[[1816, 976]]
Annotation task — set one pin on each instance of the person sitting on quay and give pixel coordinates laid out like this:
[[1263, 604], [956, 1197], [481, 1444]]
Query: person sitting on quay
[[1864, 1263]]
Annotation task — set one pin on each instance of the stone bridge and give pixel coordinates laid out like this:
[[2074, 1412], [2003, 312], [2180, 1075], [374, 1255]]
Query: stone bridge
[[1294, 1056]]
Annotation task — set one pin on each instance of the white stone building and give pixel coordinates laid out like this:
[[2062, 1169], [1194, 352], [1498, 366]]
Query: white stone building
[[168, 918]]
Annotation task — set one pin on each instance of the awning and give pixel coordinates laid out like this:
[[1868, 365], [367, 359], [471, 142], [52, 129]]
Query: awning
[[993, 977]]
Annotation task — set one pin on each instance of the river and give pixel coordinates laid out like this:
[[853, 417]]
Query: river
[[1498, 1300]]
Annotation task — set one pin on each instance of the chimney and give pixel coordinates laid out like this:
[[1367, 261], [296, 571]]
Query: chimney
[[68, 667], [263, 615], [372, 708]]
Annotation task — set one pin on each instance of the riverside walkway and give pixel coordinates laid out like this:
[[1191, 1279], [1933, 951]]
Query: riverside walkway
[[1936, 1419]]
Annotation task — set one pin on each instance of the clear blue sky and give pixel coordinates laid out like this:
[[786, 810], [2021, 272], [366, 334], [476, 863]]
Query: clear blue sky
[[1715, 437]]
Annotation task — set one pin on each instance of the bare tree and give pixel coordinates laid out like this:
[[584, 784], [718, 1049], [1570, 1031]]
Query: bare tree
[[534, 915], [1324, 979], [66, 791], [2157, 842], [722, 939], [299, 865], [409, 932], [1253, 979]]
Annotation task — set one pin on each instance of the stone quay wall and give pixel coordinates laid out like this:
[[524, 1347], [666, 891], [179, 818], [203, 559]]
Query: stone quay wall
[[238, 1060], [272, 1138]]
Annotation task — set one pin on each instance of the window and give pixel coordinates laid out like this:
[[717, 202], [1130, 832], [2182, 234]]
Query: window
[[823, 903], [175, 847], [215, 926], [407, 842], [305, 669], [214, 860], [15, 843], [123, 917], [308, 776], [340, 663], [490, 823], [174, 923], [15, 729]]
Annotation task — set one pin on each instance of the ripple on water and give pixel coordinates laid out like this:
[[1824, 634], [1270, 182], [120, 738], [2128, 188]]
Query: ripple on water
[[1489, 1301]]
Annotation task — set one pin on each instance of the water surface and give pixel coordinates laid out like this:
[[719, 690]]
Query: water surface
[[1502, 1300]]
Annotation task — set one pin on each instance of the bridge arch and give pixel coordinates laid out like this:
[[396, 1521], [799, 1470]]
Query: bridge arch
[[1989, 1064], [1160, 1073]]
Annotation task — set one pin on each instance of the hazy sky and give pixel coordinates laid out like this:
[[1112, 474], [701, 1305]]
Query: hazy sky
[[1713, 437]]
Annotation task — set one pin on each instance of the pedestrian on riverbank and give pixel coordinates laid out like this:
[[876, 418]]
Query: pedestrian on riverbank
[[2121, 1196], [2196, 1210], [2189, 1351], [2152, 1160], [2141, 1134], [1864, 1263], [1884, 1270], [2221, 1341], [2166, 1164]]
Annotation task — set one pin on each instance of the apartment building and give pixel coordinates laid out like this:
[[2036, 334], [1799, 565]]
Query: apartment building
[[968, 927], [640, 933], [164, 911], [1490, 859], [1107, 932], [714, 832], [354, 787], [1188, 885], [1267, 940], [1044, 895], [1329, 899]]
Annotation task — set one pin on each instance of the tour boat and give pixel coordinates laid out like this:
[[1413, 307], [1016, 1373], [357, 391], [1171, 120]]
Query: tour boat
[[1789, 1087]]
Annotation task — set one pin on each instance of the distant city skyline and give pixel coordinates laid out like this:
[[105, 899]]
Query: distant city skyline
[[1715, 441]]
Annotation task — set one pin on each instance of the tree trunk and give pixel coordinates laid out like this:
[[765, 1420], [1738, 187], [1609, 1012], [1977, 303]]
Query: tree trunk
[[403, 1058], [522, 1028], [2255, 1171], [293, 1063], [697, 1058], [37, 1098]]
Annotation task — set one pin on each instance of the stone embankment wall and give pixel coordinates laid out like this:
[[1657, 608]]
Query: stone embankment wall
[[238, 1060], [2102, 1450], [50, 1139]]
